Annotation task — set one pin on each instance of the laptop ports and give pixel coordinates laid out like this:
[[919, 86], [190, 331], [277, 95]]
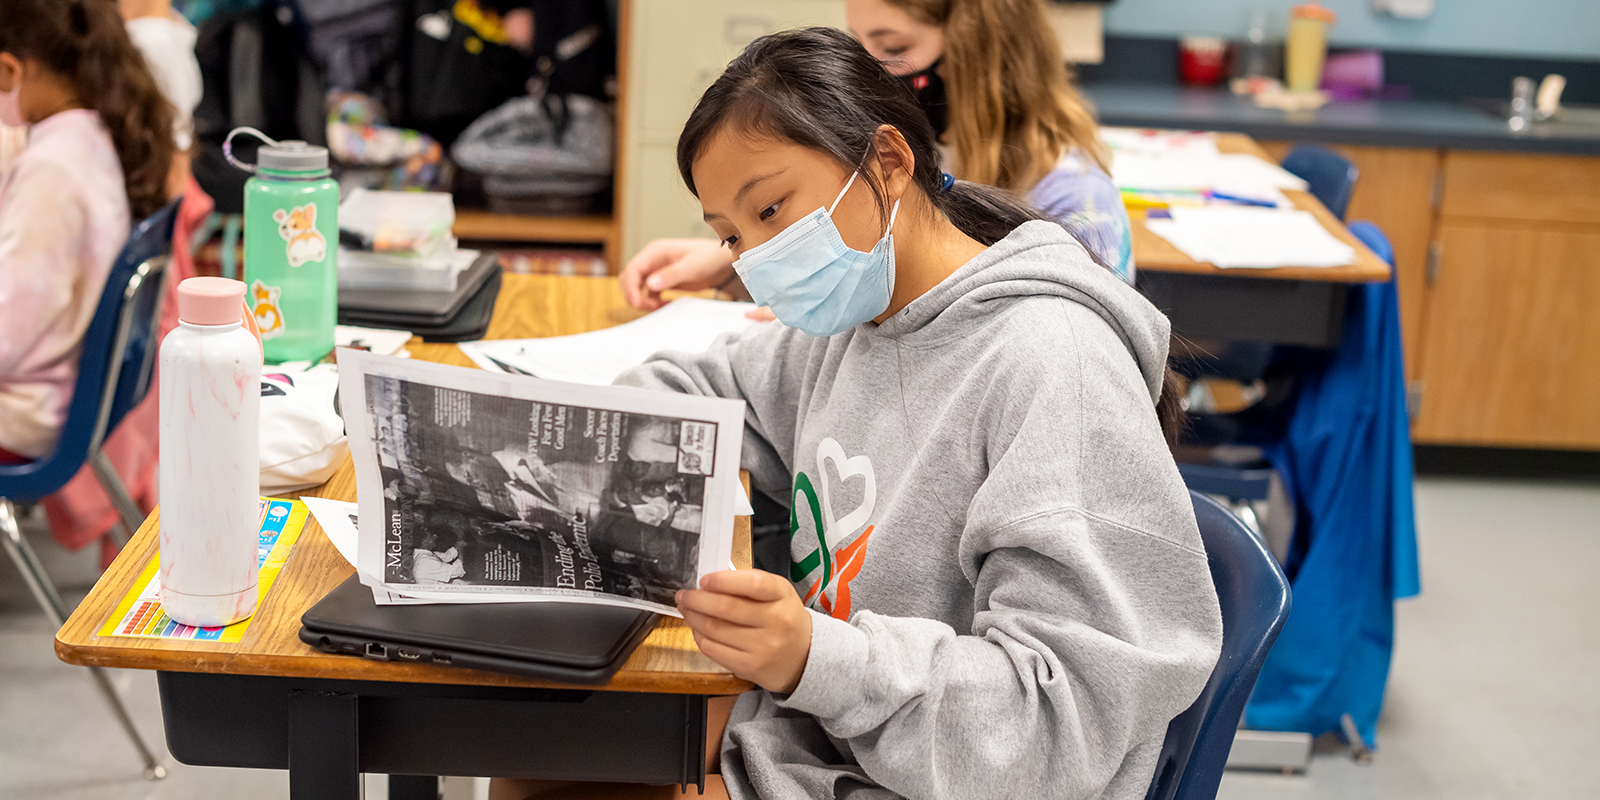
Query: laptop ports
[[408, 655], [377, 651]]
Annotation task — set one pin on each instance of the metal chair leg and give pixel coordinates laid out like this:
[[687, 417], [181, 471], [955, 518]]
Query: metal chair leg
[[28, 564], [55, 609], [123, 502]]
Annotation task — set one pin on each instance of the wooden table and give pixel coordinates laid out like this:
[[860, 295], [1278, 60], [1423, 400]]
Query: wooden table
[[271, 701], [1288, 305]]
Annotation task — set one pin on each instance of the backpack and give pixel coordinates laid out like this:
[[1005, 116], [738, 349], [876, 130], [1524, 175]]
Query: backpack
[[256, 72], [458, 65]]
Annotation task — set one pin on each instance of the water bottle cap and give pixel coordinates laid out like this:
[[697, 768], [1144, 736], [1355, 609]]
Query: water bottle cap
[[292, 156], [210, 301]]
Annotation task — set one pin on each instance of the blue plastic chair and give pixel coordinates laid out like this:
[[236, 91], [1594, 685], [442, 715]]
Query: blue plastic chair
[[1241, 485], [114, 370], [1254, 595], [1331, 177]]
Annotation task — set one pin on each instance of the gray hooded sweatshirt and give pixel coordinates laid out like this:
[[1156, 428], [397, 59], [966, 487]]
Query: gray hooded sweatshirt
[[1009, 595]]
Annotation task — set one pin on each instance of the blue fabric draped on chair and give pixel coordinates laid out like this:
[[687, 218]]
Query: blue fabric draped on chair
[[1346, 460]]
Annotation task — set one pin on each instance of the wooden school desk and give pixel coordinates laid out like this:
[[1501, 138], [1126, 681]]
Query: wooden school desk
[[272, 702], [1289, 305]]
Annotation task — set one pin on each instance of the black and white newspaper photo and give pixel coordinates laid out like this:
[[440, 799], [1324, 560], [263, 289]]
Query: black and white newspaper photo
[[474, 486]]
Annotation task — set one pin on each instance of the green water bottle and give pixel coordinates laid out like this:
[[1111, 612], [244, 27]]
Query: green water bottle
[[291, 244]]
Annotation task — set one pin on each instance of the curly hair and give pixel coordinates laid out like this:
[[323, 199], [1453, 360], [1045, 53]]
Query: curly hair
[[86, 43]]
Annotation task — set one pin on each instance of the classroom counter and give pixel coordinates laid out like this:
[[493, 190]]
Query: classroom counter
[[1409, 123]]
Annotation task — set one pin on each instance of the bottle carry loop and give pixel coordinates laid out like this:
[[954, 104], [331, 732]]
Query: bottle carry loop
[[227, 147]]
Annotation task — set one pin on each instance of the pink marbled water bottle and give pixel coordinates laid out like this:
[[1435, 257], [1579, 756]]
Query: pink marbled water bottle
[[210, 423]]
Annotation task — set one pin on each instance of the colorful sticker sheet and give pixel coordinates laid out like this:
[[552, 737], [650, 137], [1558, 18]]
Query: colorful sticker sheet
[[140, 615]]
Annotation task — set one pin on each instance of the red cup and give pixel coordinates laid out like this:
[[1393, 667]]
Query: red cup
[[1202, 60]]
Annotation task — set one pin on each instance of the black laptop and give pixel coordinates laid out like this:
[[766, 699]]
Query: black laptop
[[415, 306], [567, 642]]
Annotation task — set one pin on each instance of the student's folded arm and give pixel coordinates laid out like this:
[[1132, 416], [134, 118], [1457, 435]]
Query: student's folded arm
[[1095, 617], [750, 366], [42, 227]]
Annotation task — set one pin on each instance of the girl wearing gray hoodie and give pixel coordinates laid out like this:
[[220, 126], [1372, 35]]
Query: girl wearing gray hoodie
[[994, 586]]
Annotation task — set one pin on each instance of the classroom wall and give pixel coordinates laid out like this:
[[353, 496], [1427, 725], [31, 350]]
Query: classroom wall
[[1542, 28]]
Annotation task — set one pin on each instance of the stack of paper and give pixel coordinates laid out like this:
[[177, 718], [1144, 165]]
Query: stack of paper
[[689, 324], [1159, 142], [1231, 236], [1234, 174]]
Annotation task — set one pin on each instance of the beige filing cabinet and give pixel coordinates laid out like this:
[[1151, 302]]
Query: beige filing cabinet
[[673, 50]]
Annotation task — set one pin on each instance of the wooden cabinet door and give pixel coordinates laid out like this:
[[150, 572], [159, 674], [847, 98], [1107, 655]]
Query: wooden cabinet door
[[1511, 351], [1395, 190]]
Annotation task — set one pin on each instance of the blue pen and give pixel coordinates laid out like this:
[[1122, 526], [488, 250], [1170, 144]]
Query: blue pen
[[1244, 201]]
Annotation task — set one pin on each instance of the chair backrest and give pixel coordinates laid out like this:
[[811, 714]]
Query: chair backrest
[[1331, 177], [1224, 480], [115, 363], [1254, 595]]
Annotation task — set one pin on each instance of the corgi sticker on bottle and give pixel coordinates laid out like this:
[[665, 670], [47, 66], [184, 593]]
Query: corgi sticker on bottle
[[298, 227], [264, 305]]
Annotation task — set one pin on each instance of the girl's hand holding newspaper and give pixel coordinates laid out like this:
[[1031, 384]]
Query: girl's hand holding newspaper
[[753, 623]]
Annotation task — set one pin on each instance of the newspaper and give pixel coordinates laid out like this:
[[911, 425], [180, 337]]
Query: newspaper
[[480, 487]]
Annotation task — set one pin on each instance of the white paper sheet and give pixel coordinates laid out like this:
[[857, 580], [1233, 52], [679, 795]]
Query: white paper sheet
[[1237, 174], [1159, 142], [337, 520], [1233, 236], [382, 341], [689, 324]]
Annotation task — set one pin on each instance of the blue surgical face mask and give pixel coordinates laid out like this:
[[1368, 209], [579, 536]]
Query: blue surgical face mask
[[813, 281]]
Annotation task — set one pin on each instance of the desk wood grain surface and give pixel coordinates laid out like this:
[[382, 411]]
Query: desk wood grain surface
[[1153, 253], [529, 305]]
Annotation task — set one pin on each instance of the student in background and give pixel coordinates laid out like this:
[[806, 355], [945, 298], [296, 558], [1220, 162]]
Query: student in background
[[166, 40], [991, 78], [98, 154], [993, 584]]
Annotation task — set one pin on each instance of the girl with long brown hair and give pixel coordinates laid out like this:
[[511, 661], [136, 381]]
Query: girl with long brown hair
[[99, 145], [992, 80]]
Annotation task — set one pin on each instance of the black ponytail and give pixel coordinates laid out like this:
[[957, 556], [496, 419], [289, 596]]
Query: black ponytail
[[985, 213]]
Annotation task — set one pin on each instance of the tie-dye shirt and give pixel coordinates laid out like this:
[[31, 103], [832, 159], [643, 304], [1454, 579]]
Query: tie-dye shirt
[[1081, 197], [63, 218]]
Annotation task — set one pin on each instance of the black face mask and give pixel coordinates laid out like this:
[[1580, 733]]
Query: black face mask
[[928, 88]]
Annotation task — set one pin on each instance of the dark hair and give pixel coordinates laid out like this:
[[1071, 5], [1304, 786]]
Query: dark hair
[[820, 89], [85, 42]]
